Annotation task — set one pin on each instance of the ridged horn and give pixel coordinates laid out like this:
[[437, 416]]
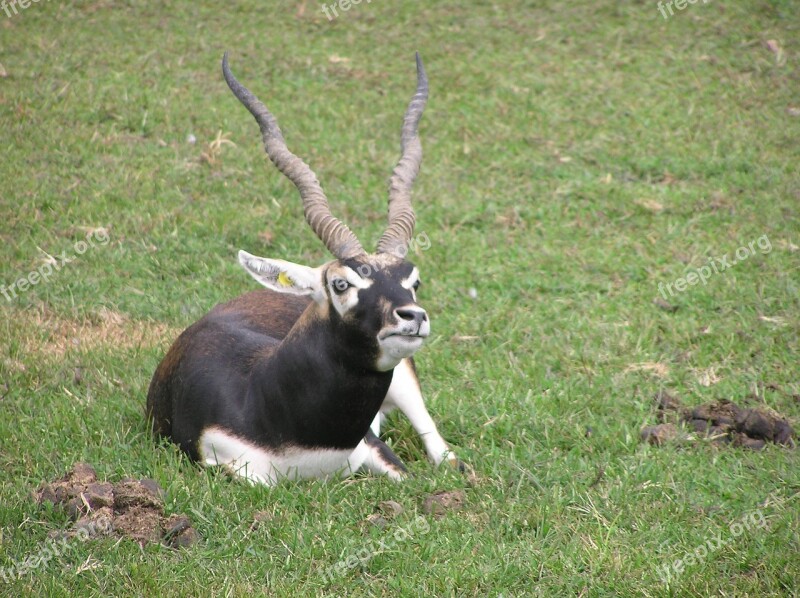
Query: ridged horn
[[339, 239], [401, 215]]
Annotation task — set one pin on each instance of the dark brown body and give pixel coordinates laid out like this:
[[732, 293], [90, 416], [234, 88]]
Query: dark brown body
[[236, 370], [254, 309]]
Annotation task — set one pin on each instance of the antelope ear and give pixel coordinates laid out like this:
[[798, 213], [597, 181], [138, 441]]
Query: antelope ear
[[284, 277]]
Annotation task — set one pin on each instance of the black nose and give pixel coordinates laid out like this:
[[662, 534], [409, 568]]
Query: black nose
[[411, 314]]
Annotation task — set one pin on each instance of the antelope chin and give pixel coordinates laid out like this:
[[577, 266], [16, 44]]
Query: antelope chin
[[396, 347]]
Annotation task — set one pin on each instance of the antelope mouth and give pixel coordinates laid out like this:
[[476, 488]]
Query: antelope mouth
[[404, 336], [396, 346]]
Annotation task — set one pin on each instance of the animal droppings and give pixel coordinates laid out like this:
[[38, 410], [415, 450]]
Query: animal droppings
[[130, 508]]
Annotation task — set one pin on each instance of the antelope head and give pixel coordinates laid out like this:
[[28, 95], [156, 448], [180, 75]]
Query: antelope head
[[367, 299]]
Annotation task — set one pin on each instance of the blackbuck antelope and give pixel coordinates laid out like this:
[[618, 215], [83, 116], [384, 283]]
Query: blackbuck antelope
[[291, 382]]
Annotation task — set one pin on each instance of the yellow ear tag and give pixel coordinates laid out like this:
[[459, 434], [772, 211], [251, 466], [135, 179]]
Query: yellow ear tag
[[284, 280]]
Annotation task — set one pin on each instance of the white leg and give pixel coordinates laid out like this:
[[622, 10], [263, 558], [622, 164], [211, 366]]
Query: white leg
[[405, 394]]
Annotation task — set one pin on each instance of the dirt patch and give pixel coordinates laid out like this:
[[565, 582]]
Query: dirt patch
[[721, 422], [384, 512], [659, 370], [440, 503], [128, 509], [660, 434], [44, 333]]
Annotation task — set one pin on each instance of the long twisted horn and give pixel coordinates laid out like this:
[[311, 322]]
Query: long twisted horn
[[339, 239], [401, 214]]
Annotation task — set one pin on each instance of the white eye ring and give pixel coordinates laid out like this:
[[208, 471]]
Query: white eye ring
[[340, 285]]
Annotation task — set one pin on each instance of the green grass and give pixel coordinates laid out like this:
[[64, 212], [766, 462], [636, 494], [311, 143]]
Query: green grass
[[577, 154]]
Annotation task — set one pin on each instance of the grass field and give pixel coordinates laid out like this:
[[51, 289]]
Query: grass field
[[579, 157]]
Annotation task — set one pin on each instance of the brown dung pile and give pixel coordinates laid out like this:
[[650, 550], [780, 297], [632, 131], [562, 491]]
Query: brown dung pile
[[129, 509], [722, 422]]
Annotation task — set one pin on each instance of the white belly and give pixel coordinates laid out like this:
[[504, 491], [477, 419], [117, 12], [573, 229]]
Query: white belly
[[258, 465]]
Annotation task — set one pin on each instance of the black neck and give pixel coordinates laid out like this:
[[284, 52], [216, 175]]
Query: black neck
[[317, 388]]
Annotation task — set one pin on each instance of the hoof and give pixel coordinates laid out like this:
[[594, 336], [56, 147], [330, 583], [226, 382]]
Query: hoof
[[456, 463]]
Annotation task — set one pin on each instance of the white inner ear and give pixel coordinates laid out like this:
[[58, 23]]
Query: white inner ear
[[283, 276]]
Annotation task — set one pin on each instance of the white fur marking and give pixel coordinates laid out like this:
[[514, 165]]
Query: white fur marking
[[394, 349], [412, 279], [408, 283], [218, 447], [375, 426], [349, 299]]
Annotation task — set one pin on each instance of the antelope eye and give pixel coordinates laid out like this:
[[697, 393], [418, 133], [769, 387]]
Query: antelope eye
[[340, 285], [416, 285]]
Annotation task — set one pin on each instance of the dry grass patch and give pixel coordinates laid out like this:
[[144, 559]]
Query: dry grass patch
[[45, 334]]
